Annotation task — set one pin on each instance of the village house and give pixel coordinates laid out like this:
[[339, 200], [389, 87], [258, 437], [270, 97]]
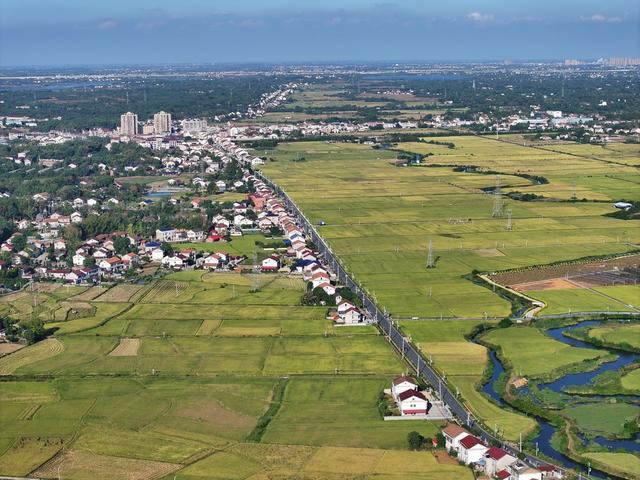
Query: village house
[[270, 264], [522, 471], [174, 262], [452, 434], [401, 384], [495, 460], [111, 265], [157, 255], [413, 402], [471, 450]]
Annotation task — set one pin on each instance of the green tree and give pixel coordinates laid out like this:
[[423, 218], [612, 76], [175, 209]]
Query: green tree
[[415, 440], [122, 245]]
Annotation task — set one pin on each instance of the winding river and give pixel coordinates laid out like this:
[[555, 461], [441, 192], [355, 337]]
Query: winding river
[[572, 379]]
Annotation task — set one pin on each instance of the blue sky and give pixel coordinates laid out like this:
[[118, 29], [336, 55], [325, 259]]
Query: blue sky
[[50, 32]]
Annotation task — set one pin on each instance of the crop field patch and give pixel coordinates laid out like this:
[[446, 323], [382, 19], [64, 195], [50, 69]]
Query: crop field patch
[[27, 454], [45, 349], [207, 327], [489, 252], [119, 293], [128, 347], [89, 294], [90, 466], [213, 411]]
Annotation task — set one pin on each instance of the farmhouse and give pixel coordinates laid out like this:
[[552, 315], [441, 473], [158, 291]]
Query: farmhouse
[[401, 385], [452, 435], [413, 402], [495, 460], [270, 264], [521, 471], [471, 450]]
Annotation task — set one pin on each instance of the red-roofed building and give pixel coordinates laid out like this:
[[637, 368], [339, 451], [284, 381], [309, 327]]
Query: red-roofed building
[[413, 402], [496, 459], [471, 450], [502, 475], [452, 435], [401, 384]]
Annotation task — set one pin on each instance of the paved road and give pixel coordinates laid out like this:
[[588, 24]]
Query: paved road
[[400, 343]]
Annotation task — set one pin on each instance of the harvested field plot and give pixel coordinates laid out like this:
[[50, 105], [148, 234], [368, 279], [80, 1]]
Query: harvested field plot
[[128, 347], [84, 465], [6, 348], [550, 284], [89, 294], [119, 293], [46, 349]]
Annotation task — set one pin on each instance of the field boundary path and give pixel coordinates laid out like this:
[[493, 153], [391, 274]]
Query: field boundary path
[[405, 348]]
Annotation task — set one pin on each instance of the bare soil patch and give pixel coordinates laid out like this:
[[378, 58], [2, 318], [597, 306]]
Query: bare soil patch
[[128, 347], [551, 284], [444, 458], [591, 269], [6, 348]]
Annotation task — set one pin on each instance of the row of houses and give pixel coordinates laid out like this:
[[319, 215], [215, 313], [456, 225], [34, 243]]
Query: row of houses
[[305, 261], [493, 461]]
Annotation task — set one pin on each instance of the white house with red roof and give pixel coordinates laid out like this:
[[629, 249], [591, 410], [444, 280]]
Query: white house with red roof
[[401, 384], [452, 434], [270, 264], [110, 264], [471, 450], [521, 471], [496, 459], [350, 316], [413, 402]]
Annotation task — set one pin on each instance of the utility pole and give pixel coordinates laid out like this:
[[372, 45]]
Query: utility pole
[[574, 191]]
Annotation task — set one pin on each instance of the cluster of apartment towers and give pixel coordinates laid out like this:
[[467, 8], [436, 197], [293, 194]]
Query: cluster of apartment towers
[[130, 126]]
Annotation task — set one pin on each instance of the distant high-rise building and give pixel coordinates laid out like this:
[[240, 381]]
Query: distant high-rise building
[[129, 124], [162, 122], [619, 61], [148, 129], [195, 125]]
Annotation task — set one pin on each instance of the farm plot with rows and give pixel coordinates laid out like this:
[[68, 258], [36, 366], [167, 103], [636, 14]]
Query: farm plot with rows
[[169, 384]]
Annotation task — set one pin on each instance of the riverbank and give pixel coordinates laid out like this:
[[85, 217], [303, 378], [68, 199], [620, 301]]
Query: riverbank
[[561, 437]]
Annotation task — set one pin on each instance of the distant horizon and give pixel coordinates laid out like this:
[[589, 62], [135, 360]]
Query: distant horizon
[[77, 32], [402, 63]]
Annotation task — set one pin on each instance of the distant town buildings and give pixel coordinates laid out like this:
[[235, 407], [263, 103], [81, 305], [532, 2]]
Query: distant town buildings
[[129, 124], [162, 123], [195, 125]]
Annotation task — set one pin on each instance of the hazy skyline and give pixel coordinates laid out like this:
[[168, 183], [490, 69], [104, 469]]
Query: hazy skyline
[[49, 32]]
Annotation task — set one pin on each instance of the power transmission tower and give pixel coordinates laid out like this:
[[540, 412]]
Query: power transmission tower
[[574, 192], [509, 221], [430, 262], [497, 200]]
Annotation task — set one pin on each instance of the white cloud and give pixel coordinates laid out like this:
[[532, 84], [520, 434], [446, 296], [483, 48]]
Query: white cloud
[[601, 18], [107, 25], [481, 17]]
